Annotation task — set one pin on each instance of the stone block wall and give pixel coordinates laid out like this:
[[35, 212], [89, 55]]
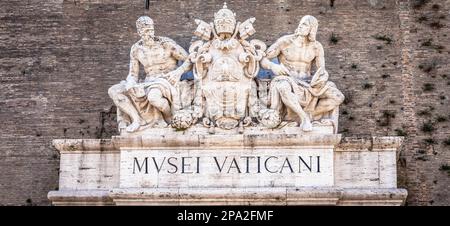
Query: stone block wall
[[59, 57]]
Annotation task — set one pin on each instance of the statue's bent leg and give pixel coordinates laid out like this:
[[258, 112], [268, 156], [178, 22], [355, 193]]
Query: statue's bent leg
[[157, 100], [275, 101], [292, 101], [330, 100], [123, 120], [117, 94]]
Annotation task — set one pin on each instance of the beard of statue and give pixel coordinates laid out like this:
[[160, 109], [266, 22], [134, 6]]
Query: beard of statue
[[147, 35], [303, 30]]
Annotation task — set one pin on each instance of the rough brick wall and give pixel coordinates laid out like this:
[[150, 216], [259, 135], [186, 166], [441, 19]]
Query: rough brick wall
[[425, 73], [59, 57]]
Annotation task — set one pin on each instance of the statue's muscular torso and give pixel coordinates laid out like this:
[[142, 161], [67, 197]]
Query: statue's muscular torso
[[296, 58], [161, 58]]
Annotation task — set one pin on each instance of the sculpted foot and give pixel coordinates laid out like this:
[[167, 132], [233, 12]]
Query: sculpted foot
[[241, 129], [122, 126], [306, 126], [134, 126], [212, 130]]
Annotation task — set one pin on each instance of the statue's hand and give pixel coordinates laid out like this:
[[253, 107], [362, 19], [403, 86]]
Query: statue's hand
[[173, 77], [279, 69], [319, 83]]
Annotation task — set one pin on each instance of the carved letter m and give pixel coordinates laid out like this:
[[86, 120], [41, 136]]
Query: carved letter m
[[136, 162]]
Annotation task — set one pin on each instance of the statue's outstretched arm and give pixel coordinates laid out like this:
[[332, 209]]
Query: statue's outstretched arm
[[179, 54], [273, 51]]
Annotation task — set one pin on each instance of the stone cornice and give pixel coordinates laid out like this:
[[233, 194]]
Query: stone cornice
[[355, 143], [193, 141]]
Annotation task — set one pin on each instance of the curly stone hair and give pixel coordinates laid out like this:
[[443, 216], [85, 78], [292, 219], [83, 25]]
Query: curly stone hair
[[144, 21]]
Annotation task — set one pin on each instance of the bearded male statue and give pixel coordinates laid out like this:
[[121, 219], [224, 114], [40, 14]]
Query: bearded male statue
[[151, 102], [295, 94]]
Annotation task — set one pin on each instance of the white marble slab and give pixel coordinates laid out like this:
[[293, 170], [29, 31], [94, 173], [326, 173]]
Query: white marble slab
[[261, 167]]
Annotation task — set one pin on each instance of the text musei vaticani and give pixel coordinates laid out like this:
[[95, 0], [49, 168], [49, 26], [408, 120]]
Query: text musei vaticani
[[227, 164]]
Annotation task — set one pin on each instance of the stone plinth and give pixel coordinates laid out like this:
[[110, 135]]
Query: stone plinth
[[258, 167]]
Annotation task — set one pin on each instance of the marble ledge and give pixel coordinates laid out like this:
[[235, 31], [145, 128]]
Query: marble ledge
[[231, 196], [342, 144]]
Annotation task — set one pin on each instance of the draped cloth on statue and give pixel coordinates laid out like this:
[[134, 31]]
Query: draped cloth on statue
[[139, 93], [308, 97]]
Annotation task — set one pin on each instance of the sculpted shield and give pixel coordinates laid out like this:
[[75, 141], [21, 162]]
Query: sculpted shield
[[225, 65]]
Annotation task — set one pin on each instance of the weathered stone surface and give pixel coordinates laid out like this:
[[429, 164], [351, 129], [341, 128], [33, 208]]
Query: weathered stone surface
[[233, 196], [140, 173], [81, 48]]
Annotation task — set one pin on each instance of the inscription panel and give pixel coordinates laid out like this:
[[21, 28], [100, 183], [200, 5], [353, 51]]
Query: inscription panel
[[300, 167]]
